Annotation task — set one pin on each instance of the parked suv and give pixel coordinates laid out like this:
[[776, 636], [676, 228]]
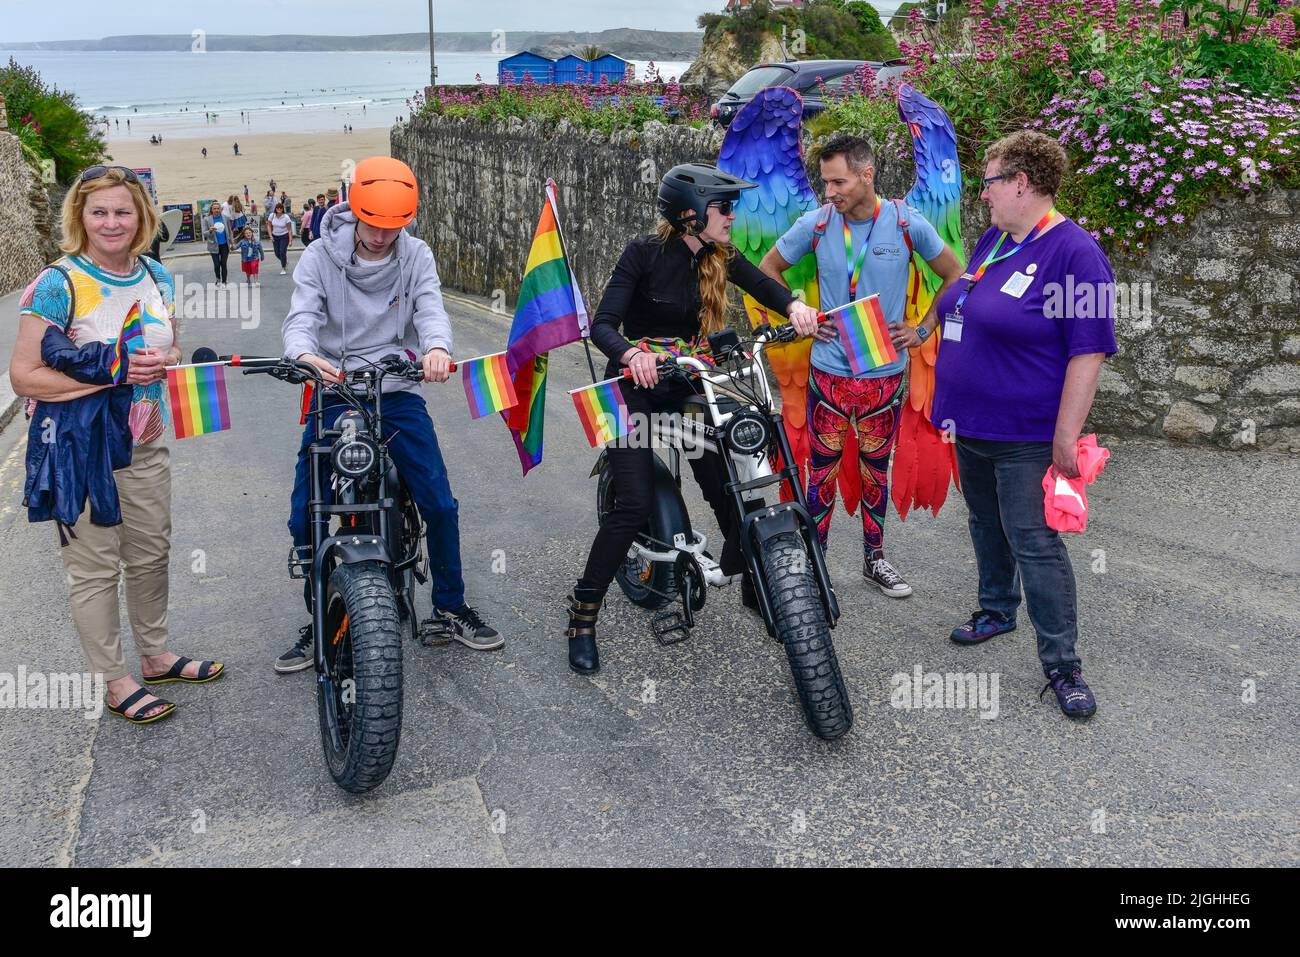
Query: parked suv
[[802, 76]]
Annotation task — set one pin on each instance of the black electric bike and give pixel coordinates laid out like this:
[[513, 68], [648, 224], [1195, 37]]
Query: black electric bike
[[733, 415], [362, 573]]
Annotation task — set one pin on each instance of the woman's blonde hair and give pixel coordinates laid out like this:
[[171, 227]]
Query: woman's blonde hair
[[235, 204], [713, 280], [75, 239]]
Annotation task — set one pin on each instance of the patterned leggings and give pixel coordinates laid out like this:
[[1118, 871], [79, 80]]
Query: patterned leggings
[[839, 407]]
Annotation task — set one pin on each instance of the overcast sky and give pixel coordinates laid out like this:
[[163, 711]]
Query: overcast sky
[[28, 20]]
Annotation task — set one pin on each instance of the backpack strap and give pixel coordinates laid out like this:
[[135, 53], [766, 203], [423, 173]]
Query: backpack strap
[[819, 227], [904, 225], [72, 292]]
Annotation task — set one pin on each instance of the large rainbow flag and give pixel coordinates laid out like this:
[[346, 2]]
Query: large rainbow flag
[[865, 334], [130, 339], [549, 313], [487, 383], [198, 399]]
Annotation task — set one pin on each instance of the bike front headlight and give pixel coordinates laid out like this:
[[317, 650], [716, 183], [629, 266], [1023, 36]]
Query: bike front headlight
[[747, 433], [354, 457]]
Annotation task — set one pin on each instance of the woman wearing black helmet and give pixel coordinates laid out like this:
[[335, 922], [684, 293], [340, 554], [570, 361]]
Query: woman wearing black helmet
[[670, 285]]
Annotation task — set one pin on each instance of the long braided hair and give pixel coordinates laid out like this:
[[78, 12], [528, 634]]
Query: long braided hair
[[713, 279]]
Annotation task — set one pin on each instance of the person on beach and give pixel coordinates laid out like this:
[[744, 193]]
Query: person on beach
[[236, 213], [108, 222], [317, 215], [284, 201], [236, 145], [365, 290], [281, 236], [305, 232], [218, 230], [205, 152], [251, 255]]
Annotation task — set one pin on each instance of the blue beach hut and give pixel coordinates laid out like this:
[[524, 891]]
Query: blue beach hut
[[609, 68], [572, 69], [514, 68]]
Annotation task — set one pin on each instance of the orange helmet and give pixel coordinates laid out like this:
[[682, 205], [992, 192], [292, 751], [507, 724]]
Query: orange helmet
[[384, 192]]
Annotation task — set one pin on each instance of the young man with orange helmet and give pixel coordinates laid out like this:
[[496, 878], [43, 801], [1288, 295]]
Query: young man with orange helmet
[[367, 289]]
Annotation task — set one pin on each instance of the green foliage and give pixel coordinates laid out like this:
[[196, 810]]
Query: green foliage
[[591, 53], [1116, 84], [821, 29], [602, 107], [48, 122]]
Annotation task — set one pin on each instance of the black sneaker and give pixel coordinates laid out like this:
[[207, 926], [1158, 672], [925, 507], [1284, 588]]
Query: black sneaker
[[470, 630], [885, 577], [299, 657], [1072, 694]]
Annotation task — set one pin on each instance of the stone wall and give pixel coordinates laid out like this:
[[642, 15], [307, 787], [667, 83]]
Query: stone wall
[[481, 191], [1209, 348], [26, 220]]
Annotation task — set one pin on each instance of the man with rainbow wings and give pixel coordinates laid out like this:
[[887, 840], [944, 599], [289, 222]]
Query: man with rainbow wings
[[843, 409]]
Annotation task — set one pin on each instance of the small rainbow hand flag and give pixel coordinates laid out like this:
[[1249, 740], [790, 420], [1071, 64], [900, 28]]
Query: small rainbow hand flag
[[487, 385], [130, 339], [198, 398], [864, 334], [602, 411]]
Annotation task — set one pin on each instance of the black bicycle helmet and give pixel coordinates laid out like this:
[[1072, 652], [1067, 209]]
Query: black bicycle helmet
[[686, 191]]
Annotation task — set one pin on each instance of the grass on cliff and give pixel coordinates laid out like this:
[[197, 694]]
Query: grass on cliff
[[49, 123], [819, 30]]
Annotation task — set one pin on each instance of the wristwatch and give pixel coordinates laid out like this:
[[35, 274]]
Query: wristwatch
[[922, 333]]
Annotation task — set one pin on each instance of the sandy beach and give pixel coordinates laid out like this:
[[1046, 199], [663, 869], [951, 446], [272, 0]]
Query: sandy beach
[[302, 164]]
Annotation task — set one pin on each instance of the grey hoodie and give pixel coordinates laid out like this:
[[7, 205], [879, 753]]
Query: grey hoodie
[[366, 310]]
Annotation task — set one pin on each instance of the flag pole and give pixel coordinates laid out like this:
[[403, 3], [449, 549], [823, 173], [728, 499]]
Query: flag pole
[[564, 251]]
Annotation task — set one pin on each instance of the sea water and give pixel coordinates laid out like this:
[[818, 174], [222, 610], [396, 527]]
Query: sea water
[[169, 93]]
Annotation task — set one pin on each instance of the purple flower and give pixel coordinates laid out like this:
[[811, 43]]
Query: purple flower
[[1178, 218]]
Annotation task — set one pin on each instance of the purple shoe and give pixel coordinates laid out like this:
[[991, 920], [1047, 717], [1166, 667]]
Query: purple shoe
[[1072, 693], [982, 626]]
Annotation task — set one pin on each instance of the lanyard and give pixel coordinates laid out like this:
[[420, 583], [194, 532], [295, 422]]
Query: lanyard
[[993, 256], [855, 269]]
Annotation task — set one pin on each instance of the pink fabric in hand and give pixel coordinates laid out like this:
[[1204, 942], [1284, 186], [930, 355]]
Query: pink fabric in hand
[[1066, 499]]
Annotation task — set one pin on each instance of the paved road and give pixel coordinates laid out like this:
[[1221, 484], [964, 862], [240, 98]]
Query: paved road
[[507, 758]]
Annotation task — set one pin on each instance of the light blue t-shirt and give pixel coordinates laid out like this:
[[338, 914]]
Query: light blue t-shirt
[[883, 272]]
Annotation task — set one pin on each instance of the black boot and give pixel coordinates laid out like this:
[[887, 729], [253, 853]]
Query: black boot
[[583, 656]]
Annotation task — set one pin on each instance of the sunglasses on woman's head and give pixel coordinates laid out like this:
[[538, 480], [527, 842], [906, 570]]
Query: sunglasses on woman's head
[[724, 206], [95, 172]]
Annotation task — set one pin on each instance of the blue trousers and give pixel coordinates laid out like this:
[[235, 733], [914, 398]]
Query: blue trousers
[[415, 452], [1003, 486]]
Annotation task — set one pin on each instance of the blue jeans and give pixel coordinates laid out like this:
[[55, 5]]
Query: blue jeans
[[415, 452], [1003, 486]]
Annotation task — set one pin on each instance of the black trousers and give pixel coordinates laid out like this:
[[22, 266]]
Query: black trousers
[[631, 462], [219, 263]]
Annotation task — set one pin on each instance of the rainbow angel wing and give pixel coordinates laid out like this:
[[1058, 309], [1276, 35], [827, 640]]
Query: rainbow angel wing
[[924, 464], [763, 145]]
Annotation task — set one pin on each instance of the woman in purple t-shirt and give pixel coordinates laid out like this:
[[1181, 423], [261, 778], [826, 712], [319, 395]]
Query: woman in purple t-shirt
[[1024, 334]]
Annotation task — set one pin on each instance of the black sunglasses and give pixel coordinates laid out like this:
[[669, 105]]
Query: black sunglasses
[[724, 206], [95, 172]]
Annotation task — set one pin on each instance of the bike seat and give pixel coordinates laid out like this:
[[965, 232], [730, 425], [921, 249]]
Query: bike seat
[[697, 405]]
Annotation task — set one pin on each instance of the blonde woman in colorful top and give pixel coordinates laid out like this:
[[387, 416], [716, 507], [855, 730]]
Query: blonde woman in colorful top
[[108, 221]]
